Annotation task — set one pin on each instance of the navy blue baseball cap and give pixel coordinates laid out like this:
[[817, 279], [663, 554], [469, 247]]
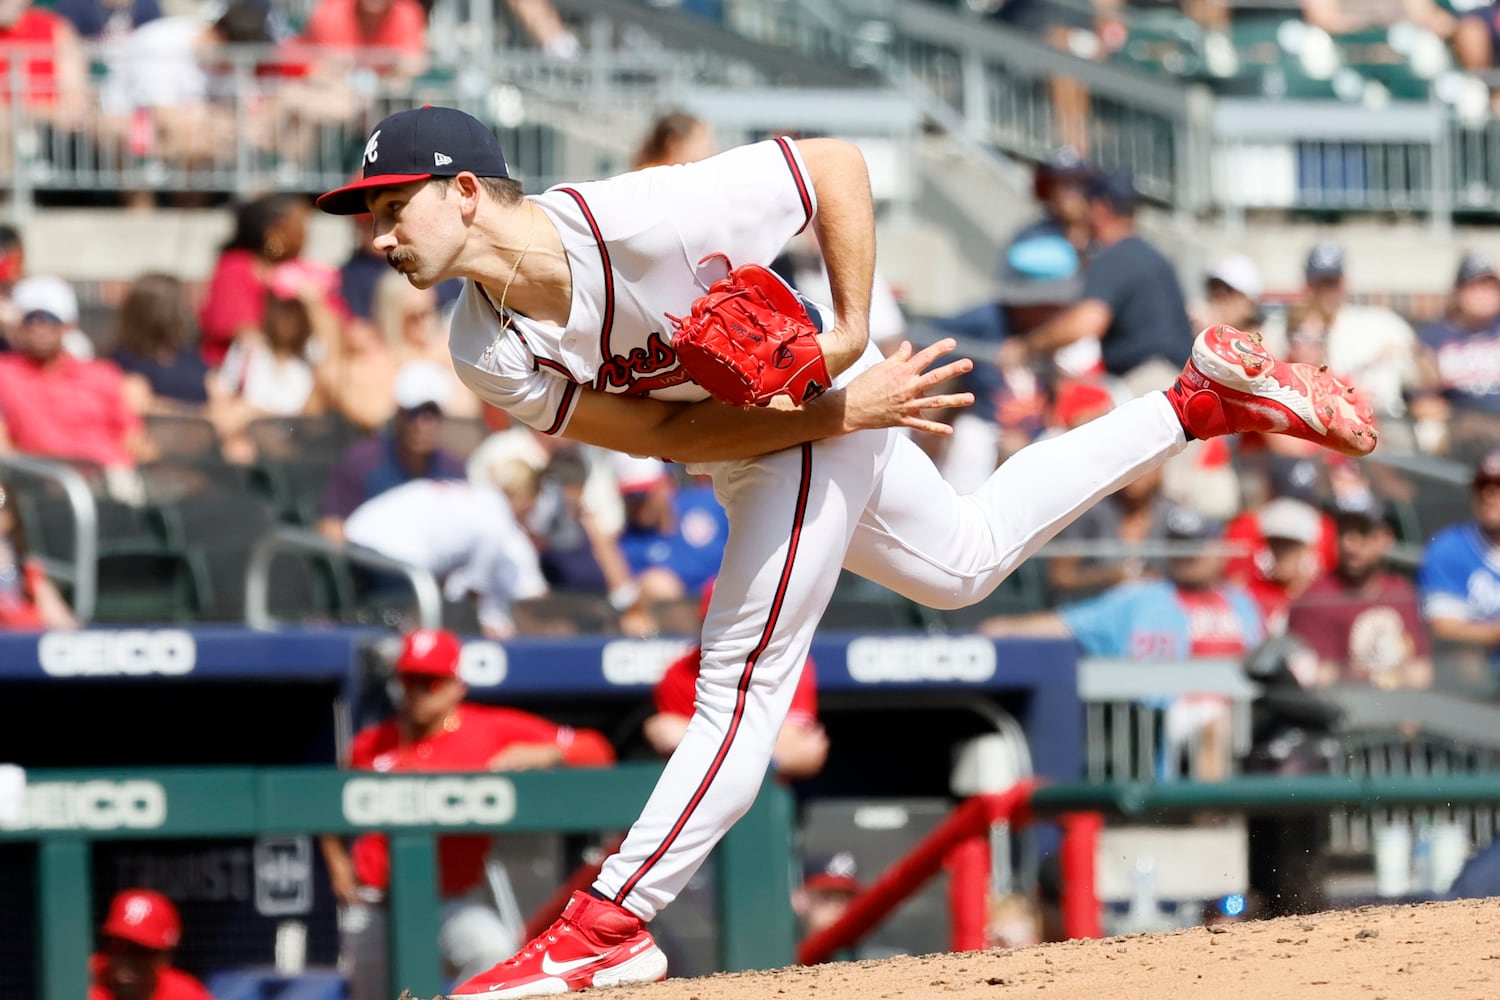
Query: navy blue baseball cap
[[418, 145]]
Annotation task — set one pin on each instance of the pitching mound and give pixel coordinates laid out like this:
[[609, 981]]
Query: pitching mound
[[1395, 953]]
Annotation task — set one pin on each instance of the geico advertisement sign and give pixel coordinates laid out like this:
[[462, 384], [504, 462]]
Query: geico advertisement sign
[[91, 805], [454, 801], [639, 661], [968, 658], [128, 652]]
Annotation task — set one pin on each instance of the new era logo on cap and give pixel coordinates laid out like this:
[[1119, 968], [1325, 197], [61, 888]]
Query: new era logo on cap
[[418, 145]]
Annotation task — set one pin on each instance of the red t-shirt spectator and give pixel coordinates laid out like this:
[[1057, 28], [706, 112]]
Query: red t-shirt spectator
[[1251, 567], [67, 409], [171, 984], [676, 692], [335, 25], [18, 610], [38, 30], [477, 735], [235, 301]]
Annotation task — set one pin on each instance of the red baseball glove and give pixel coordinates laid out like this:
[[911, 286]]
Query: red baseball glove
[[749, 339]]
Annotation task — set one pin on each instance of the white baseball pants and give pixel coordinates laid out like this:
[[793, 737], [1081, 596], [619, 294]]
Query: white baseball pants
[[873, 502]]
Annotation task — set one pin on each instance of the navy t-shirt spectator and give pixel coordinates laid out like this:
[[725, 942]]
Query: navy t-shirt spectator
[[183, 379], [369, 468], [1468, 364], [92, 18], [1150, 317]]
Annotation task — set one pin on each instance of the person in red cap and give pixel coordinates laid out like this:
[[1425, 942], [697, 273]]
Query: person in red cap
[[434, 729], [801, 745], [134, 961]]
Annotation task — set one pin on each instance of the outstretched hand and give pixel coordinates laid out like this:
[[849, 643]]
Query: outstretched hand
[[893, 393]]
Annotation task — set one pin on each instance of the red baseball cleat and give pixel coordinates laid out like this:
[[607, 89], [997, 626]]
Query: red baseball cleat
[[1232, 384], [593, 943]]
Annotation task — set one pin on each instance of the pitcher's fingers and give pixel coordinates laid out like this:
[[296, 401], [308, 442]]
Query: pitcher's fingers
[[952, 369], [932, 352], [930, 426], [944, 401], [901, 353]]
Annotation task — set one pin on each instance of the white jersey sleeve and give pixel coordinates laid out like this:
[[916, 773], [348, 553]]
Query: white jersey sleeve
[[746, 202], [505, 373]]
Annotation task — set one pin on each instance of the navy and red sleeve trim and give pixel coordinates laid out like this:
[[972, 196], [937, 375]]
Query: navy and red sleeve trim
[[804, 186]]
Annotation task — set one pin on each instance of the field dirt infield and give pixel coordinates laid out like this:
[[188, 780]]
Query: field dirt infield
[[1396, 953]]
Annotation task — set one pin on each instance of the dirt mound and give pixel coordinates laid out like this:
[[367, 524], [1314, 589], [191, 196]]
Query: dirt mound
[[1395, 953]]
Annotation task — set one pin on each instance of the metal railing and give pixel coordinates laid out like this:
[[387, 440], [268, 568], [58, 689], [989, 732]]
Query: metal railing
[[81, 573], [286, 540]]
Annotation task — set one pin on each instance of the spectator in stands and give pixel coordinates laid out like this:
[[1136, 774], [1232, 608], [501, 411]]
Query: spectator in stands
[[801, 745], [28, 599], [1282, 546], [1013, 921], [1194, 612], [436, 730], [675, 137], [268, 231], [54, 78], [356, 374], [1461, 362], [1135, 514], [269, 374], [1132, 304], [1370, 345], [156, 349], [465, 534], [601, 494], [1458, 579], [1231, 294], [412, 324], [1060, 188], [546, 28], [409, 451], [58, 406], [674, 536], [102, 20], [1038, 277], [134, 961], [579, 553], [1345, 17], [12, 267], [1361, 622], [370, 32]]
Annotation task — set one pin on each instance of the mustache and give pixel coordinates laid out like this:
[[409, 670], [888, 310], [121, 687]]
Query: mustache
[[399, 256]]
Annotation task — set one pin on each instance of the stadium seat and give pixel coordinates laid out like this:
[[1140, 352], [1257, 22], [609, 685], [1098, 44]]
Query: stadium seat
[[148, 584], [221, 531], [281, 438], [566, 614], [858, 604], [170, 479], [182, 436], [292, 487], [49, 525]]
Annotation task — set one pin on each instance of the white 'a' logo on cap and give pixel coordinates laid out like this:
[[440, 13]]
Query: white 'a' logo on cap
[[137, 910], [372, 148], [441, 159]]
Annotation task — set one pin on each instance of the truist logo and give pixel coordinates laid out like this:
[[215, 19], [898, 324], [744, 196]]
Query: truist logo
[[643, 369]]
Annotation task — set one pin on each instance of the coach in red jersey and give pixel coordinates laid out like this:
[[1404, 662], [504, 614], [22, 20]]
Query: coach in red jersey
[[436, 730], [134, 961]]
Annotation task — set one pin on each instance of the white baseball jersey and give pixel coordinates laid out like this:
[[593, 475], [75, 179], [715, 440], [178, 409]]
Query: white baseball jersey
[[872, 501], [462, 533], [634, 244]]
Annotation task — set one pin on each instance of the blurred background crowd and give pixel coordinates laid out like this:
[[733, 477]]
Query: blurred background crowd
[[228, 374]]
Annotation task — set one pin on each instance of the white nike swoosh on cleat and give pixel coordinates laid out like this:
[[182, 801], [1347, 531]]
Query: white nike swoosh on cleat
[[551, 968]]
